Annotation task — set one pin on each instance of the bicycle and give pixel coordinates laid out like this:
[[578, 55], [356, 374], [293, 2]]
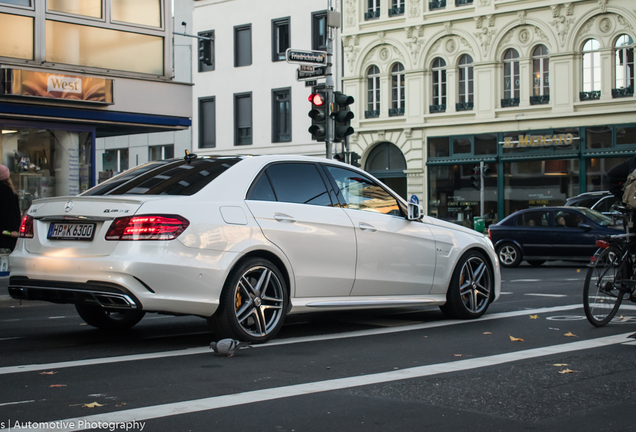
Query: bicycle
[[611, 276]]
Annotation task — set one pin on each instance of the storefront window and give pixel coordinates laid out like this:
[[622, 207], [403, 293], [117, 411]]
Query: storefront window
[[486, 144], [103, 48], [144, 12], [625, 135], [462, 146], [598, 137], [16, 34], [539, 183], [438, 147], [89, 8], [46, 163], [452, 196], [596, 170]]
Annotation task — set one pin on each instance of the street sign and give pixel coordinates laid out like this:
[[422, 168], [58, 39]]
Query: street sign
[[316, 58], [311, 83], [316, 72], [414, 199]]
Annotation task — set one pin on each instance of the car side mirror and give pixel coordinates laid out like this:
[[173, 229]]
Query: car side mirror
[[415, 212], [586, 227]]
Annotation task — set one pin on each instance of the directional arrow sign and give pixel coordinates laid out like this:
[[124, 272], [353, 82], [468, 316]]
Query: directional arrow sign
[[306, 57], [316, 72]]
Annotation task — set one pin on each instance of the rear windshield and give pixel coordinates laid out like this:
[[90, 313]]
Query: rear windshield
[[168, 177]]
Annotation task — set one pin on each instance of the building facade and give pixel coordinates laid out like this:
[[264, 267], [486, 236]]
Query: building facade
[[247, 99], [539, 92], [72, 72]]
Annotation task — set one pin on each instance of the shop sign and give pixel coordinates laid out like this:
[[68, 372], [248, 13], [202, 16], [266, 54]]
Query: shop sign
[[56, 86], [540, 140]]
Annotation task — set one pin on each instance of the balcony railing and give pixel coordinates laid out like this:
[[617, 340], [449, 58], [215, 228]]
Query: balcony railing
[[397, 10], [436, 4], [539, 100], [437, 108], [623, 92], [371, 15], [509, 102], [394, 112], [464, 106], [463, 2], [372, 114], [591, 95]]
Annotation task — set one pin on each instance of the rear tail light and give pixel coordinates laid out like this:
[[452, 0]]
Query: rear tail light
[[147, 227], [489, 234], [602, 244], [26, 227]]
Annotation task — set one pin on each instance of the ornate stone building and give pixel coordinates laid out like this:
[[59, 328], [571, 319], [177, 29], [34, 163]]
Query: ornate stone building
[[540, 91]]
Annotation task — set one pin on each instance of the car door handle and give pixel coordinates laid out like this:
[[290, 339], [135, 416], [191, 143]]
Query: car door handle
[[366, 227], [282, 217]]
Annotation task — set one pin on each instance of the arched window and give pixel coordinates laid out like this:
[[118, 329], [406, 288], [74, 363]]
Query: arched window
[[591, 70], [397, 90], [465, 83], [373, 92], [439, 86], [510, 78], [540, 76], [624, 53]]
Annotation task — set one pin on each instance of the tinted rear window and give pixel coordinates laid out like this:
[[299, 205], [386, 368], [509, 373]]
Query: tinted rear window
[[169, 177]]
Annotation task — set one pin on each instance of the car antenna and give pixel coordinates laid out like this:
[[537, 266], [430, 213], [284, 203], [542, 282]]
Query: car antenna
[[189, 157]]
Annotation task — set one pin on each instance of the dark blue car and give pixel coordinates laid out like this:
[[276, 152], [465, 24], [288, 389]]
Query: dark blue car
[[542, 234]]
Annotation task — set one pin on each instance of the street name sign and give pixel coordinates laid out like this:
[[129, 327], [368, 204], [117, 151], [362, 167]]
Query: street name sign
[[316, 72], [311, 58]]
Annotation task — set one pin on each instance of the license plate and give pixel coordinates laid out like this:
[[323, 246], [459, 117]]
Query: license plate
[[71, 231]]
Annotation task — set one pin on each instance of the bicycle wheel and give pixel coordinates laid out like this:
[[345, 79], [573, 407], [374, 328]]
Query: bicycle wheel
[[601, 294]]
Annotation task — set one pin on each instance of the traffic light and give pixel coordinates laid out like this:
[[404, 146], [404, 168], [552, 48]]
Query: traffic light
[[318, 114], [475, 178], [340, 157], [342, 115], [205, 51], [487, 171], [355, 157]]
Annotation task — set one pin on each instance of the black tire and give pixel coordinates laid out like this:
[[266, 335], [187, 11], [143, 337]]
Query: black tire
[[509, 255], [536, 263], [247, 311], [601, 293], [105, 319], [471, 288]]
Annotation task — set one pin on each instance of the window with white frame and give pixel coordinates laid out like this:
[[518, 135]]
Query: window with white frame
[[591, 66], [115, 160], [439, 82], [160, 152], [624, 52], [373, 92], [373, 9], [466, 79], [540, 70], [397, 89], [511, 74]]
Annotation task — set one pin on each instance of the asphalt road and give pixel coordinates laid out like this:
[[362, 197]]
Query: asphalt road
[[390, 370]]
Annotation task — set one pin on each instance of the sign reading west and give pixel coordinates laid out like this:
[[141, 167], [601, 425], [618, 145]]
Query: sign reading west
[[306, 57], [56, 86]]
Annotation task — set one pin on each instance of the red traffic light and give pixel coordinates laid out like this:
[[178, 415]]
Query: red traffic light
[[316, 99]]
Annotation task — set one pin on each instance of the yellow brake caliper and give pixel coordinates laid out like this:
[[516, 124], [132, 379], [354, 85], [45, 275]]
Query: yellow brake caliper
[[239, 300]]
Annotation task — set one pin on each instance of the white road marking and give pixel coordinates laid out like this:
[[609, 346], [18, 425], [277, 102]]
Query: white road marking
[[203, 350], [216, 402], [547, 295], [57, 317], [505, 293], [526, 280], [16, 403], [9, 338]]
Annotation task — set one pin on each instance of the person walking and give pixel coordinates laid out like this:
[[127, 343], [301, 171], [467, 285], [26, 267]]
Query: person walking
[[10, 217]]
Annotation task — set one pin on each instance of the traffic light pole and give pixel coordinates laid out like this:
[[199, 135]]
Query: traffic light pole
[[329, 87], [481, 188]]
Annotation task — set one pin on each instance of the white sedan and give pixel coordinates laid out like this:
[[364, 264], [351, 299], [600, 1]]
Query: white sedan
[[244, 241]]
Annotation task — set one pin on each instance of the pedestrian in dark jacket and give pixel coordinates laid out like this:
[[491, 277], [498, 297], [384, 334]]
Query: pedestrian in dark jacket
[[618, 175], [9, 211]]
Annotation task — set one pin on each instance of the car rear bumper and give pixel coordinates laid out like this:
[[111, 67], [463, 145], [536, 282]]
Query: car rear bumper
[[187, 282]]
